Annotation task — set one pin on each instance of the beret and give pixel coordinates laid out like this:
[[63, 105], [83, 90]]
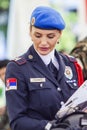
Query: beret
[[45, 17]]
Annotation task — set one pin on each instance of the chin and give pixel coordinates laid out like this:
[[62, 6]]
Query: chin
[[44, 53]]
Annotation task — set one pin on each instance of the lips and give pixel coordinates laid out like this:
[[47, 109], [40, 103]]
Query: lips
[[44, 48]]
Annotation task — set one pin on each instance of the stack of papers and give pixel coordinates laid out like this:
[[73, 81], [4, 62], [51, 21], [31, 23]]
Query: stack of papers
[[79, 97]]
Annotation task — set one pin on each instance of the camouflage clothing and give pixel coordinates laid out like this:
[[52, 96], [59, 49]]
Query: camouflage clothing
[[80, 52]]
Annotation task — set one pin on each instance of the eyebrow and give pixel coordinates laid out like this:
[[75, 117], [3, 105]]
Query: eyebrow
[[46, 34]]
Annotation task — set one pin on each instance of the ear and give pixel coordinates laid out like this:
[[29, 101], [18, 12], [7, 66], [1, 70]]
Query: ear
[[60, 33]]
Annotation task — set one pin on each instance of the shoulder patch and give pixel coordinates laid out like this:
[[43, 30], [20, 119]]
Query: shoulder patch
[[20, 60]]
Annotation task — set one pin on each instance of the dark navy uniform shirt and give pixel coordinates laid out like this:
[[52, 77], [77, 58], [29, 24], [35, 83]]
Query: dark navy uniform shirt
[[33, 95]]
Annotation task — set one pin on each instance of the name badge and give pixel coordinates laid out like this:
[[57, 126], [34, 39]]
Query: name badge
[[37, 79]]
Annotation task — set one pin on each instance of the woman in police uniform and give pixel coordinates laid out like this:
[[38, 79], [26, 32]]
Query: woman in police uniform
[[40, 81]]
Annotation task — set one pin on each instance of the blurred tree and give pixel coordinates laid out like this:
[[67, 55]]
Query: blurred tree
[[4, 5], [4, 10]]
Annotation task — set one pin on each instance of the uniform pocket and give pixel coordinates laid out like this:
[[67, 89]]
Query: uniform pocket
[[37, 86], [38, 93]]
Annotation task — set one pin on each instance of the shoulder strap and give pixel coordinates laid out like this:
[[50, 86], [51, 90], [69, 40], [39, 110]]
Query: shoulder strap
[[20, 60]]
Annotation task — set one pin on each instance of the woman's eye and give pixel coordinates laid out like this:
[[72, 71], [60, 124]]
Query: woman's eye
[[37, 36], [51, 37]]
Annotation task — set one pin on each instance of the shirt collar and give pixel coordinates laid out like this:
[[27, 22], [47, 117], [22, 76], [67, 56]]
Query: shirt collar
[[47, 58]]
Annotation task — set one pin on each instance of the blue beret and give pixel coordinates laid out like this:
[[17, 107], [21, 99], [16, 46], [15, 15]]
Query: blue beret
[[47, 18]]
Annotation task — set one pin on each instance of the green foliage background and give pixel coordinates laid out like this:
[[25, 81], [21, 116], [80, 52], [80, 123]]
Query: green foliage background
[[68, 39], [4, 8], [4, 4]]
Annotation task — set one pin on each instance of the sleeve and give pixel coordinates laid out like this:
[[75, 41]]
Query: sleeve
[[17, 101]]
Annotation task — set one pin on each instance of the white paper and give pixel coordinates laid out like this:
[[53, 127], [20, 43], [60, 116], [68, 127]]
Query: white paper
[[80, 96]]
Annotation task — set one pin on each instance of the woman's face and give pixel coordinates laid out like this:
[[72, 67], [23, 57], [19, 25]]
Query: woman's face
[[44, 40]]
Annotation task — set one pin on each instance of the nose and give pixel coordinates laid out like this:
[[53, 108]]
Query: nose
[[44, 41]]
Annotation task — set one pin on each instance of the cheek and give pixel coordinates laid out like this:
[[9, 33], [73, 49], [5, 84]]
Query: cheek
[[52, 46], [54, 42], [36, 43], [35, 40]]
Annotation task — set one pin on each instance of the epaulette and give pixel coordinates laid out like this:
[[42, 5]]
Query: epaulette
[[71, 58], [20, 60]]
